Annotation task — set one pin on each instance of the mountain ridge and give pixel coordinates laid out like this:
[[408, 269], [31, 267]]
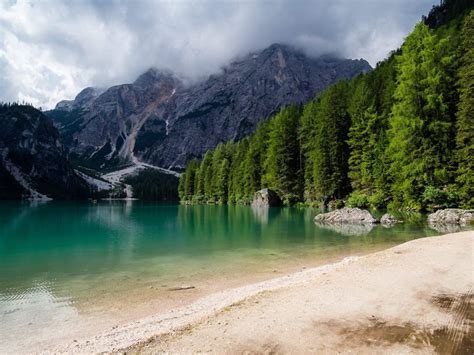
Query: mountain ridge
[[163, 120], [33, 162]]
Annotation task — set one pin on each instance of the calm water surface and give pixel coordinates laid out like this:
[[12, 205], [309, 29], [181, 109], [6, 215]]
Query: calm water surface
[[62, 264]]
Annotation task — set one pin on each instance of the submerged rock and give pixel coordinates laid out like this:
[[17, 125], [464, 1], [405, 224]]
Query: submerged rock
[[388, 220], [266, 198], [451, 216], [181, 288], [346, 215]]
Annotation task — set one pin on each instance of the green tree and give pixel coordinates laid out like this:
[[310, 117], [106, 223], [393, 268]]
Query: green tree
[[253, 162], [421, 128], [187, 180], [329, 150], [465, 116], [220, 173], [236, 185], [282, 163], [307, 132]]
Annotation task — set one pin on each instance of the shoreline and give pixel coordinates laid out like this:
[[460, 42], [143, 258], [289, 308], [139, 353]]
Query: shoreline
[[147, 334]]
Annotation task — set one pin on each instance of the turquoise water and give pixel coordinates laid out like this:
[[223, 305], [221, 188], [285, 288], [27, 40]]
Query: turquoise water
[[64, 263]]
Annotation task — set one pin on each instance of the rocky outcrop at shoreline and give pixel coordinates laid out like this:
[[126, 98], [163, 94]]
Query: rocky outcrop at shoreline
[[346, 215], [266, 198], [451, 216], [450, 220]]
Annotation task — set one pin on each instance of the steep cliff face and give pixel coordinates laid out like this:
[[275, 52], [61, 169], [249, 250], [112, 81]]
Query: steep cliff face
[[83, 100], [230, 105], [102, 133], [33, 162], [162, 121]]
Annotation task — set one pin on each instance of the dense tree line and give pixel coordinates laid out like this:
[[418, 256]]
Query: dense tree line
[[151, 184], [400, 136]]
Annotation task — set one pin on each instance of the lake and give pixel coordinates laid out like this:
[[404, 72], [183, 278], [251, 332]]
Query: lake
[[71, 269]]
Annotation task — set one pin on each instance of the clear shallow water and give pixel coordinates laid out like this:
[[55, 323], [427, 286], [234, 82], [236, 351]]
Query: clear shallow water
[[64, 265]]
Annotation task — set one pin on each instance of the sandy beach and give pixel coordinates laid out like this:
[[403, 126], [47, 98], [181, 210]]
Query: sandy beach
[[414, 298]]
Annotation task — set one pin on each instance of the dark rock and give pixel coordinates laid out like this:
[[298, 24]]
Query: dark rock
[[33, 162], [181, 288], [266, 198], [346, 215]]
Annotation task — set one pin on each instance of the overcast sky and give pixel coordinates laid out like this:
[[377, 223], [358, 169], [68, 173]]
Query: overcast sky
[[51, 49]]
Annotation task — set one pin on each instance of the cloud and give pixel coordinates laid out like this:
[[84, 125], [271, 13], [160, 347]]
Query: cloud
[[51, 49]]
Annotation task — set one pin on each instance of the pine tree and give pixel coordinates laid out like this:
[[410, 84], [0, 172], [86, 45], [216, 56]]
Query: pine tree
[[282, 163], [329, 150], [306, 135], [465, 117], [220, 173], [181, 190], [236, 186], [253, 162], [205, 176], [186, 183], [362, 113], [421, 128]]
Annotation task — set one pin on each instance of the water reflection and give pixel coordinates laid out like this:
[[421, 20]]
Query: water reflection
[[349, 230], [446, 228], [59, 258], [260, 214]]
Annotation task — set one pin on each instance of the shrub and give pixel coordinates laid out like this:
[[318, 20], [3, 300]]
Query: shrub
[[335, 204], [358, 199], [378, 200], [435, 198]]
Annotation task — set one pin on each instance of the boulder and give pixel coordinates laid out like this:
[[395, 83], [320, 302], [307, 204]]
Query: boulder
[[451, 216], [389, 220], [266, 198], [346, 215]]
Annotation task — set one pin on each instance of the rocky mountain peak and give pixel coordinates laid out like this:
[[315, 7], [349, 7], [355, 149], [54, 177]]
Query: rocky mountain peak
[[83, 100], [154, 76], [161, 121]]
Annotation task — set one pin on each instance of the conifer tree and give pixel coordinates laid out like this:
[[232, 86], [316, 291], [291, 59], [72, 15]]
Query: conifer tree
[[465, 116], [307, 133], [329, 153], [420, 124], [283, 164], [253, 162]]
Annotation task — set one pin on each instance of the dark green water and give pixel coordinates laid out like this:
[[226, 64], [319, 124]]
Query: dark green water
[[61, 261]]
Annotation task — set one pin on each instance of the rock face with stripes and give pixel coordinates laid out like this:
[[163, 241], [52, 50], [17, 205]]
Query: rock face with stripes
[[166, 121], [33, 162]]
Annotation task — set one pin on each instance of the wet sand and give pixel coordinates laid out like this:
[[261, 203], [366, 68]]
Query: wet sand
[[413, 298]]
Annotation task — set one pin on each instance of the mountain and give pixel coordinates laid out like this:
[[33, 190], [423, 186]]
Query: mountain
[[161, 120], [83, 100], [33, 162], [400, 137]]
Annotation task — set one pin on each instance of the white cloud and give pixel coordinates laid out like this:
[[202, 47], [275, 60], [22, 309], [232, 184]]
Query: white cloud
[[51, 49]]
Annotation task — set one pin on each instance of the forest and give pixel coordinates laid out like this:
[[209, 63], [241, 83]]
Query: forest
[[398, 137]]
